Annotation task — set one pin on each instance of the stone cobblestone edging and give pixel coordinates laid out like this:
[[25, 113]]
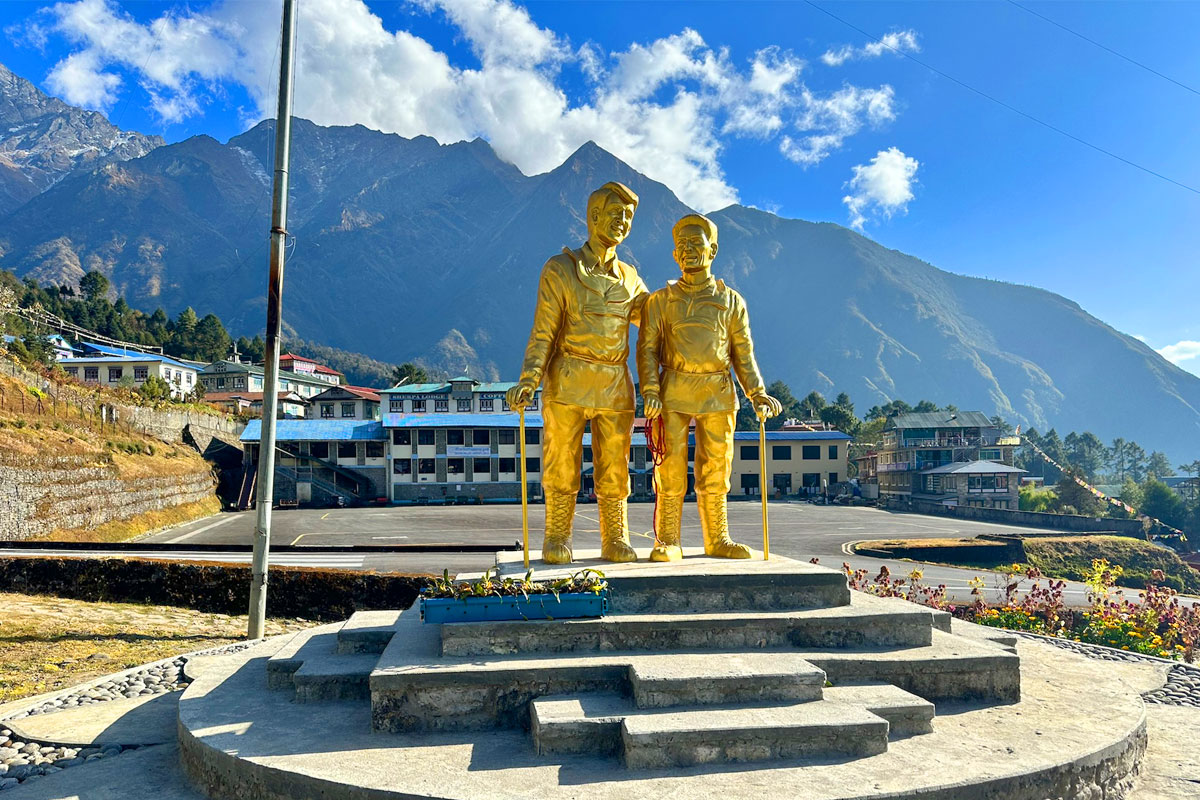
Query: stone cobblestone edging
[[23, 758], [1183, 680]]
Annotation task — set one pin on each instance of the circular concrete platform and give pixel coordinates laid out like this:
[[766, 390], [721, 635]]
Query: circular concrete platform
[[1078, 731]]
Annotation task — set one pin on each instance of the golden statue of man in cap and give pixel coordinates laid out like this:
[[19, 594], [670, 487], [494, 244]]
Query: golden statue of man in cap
[[692, 332], [578, 350]]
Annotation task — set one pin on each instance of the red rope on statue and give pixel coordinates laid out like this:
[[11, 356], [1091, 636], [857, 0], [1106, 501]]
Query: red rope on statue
[[656, 446]]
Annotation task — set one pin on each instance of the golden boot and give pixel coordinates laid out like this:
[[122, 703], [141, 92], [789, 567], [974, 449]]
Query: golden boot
[[614, 531], [714, 522], [560, 514], [668, 515]]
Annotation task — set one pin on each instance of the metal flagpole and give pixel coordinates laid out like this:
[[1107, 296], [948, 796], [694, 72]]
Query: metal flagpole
[[524, 492], [266, 448], [762, 483]]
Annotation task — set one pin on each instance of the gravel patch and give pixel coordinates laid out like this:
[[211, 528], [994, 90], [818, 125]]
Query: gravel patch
[[22, 761]]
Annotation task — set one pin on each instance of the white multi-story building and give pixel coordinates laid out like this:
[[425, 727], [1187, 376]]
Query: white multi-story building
[[131, 368]]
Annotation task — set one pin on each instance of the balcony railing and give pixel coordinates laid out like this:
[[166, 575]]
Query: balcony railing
[[903, 466]]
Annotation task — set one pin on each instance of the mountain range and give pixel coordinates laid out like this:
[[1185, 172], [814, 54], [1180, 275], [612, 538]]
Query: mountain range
[[407, 249]]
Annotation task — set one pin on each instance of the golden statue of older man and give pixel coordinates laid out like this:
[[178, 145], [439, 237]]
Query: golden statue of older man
[[692, 333], [578, 349]]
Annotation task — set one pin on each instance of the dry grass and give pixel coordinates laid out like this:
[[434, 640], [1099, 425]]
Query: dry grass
[[48, 644], [126, 529]]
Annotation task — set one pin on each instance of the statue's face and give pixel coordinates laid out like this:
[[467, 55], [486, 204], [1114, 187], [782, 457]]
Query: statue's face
[[694, 251], [612, 222]]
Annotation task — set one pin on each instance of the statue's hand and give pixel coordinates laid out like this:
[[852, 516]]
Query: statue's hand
[[766, 406], [652, 407], [520, 395]]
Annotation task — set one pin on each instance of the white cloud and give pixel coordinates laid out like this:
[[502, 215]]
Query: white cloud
[[896, 41], [884, 185], [663, 106], [1180, 351], [829, 120]]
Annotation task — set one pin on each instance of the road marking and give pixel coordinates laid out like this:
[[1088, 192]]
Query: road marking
[[326, 514], [228, 518], [389, 537]]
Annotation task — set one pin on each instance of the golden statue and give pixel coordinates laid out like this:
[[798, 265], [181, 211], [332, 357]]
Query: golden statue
[[579, 348], [695, 329]]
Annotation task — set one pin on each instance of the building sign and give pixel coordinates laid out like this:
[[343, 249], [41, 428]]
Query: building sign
[[468, 451]]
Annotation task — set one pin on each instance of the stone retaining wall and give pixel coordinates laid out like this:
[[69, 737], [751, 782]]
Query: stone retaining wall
[[1066, 522], [35, 501]]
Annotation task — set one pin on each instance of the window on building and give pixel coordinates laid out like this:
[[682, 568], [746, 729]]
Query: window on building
[[532, 436], [508, 465], [425, 436], [464, 404], [178, 377], [587, 454], [348, 410], [749, 482], [375, 449], [418, 406], [833, 478], [347, 450], [91, 373], [810, 452], [220, 383], [989, 454], [441, 404], [533, 465], [481, 436], [781, 452], [455, 436], [749, 452], [396, 405], [504, 405], [318, 449], [189, 379], [833, 451], [426, 466], [1002, 482], [486, 404], [456, 466], [74, 371], [508, 436], [482, 467], [401, 436], [533, 402], [239, 383], [811, 480], [326, 410], [402, 466]]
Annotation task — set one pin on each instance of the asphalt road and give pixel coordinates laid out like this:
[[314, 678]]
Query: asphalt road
[[798, 530]]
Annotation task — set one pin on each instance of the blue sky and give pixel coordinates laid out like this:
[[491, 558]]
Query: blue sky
[[773, 104]]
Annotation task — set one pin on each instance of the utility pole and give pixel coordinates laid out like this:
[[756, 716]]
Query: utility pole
[[266, 445]]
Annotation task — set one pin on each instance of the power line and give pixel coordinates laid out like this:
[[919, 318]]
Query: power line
[[1003, 104], [1105, 48]]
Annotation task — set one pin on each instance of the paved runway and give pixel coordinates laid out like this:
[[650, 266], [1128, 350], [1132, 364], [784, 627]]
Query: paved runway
[[798, 530]]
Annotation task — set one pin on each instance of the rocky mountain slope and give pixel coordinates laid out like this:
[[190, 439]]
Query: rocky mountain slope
[[406, 249], [42, 140]]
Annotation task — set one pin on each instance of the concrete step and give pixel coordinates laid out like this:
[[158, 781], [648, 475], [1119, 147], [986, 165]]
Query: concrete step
[[334, 676], [306, 644], [367, 632], [667, 681], [906, 713], [609, 724], [701, 583], [866, 621], [953, 667]]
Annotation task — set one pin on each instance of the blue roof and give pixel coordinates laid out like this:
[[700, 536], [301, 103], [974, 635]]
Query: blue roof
[[447, 420], [637, 440], [792, 436], [132, 353], [318, 430]]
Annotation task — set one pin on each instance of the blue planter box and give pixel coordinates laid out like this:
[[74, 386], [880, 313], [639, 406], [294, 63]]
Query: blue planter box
[[492, 609]]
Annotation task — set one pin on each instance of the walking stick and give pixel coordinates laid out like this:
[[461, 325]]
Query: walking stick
[[525, 492], [762, 482]]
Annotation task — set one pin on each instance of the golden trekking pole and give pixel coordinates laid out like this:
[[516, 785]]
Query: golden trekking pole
[[762, 482], [524, 491]]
